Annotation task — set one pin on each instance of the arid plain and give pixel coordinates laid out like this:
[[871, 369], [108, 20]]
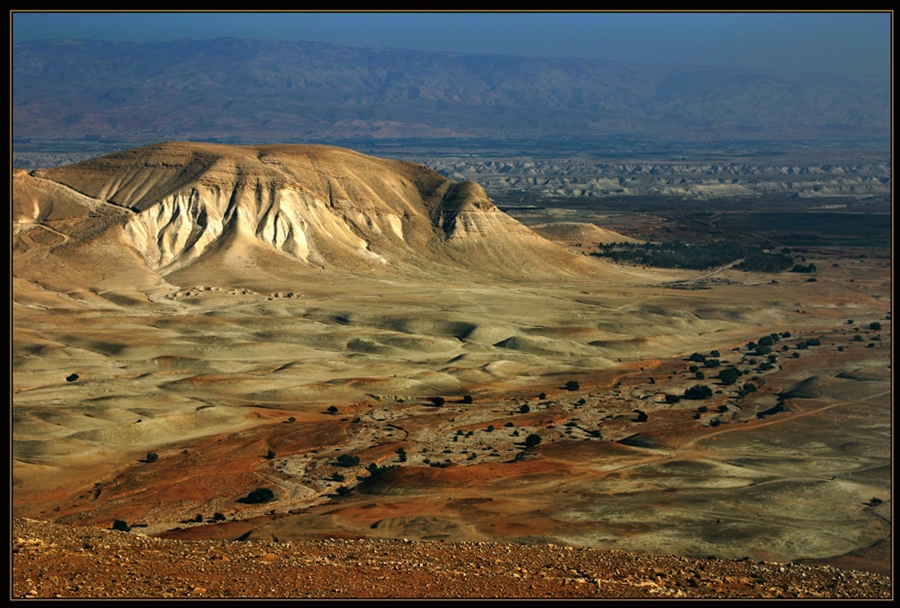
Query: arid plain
[[253, 315]]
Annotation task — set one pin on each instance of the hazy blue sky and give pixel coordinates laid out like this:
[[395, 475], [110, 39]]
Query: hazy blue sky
[[835, 42]]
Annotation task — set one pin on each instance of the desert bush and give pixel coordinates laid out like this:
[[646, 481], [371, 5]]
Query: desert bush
[[374, 469], [152, 457], [270, 455], [121, 526], [698, 391], [572, 385], [875, 325], [532, 440], [729, 375], [332, 409], [437, 401], [346, 460], [258, 495], [467, 399]]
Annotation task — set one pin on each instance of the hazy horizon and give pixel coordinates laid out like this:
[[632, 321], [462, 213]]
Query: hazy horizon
[[848, 43]]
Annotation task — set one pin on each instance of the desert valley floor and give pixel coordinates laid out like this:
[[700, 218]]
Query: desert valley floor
[[400, 405]]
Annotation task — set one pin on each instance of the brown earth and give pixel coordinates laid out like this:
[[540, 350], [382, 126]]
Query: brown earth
[[52, 561]]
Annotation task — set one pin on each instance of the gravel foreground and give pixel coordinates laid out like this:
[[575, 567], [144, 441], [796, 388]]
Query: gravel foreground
[[53, 561]]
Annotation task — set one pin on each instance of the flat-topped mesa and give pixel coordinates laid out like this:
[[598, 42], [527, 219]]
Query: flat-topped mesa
[[321, 206]]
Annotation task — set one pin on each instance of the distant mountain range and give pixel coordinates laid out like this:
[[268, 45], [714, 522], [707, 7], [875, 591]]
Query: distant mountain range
[[253, 91]]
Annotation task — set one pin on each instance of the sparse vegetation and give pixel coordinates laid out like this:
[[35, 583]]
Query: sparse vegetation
[[572, 385], [697, 256], [151, 457], [532, 440], [121, 526]]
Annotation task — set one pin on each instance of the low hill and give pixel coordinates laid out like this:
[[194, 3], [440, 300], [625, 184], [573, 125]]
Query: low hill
[[247, 214]]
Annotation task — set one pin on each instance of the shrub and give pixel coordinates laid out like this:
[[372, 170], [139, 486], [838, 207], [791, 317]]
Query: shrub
[[374, 469], [542, 395], [747, 389], [699, 375], [673, 398], [437, 401], [698, 391], [332, 409], [532, 440], [152, 457], [401, 453], [524, 409], [467, 399], [875, 325], [729, 375], [346, 460], [572, 385], [218, 516], [258, 495], [270, 455], [697, 357], [121, 526]]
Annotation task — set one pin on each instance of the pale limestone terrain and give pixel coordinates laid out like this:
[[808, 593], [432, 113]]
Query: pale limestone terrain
[[210, 303]]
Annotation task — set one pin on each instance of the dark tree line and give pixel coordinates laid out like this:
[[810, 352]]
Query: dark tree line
[[692, 256]]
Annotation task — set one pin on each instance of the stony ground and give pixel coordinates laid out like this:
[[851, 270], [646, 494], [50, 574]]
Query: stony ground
[[52, 561]]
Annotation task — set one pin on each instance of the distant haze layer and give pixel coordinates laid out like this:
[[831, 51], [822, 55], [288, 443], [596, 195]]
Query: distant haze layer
[[243, 91]]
